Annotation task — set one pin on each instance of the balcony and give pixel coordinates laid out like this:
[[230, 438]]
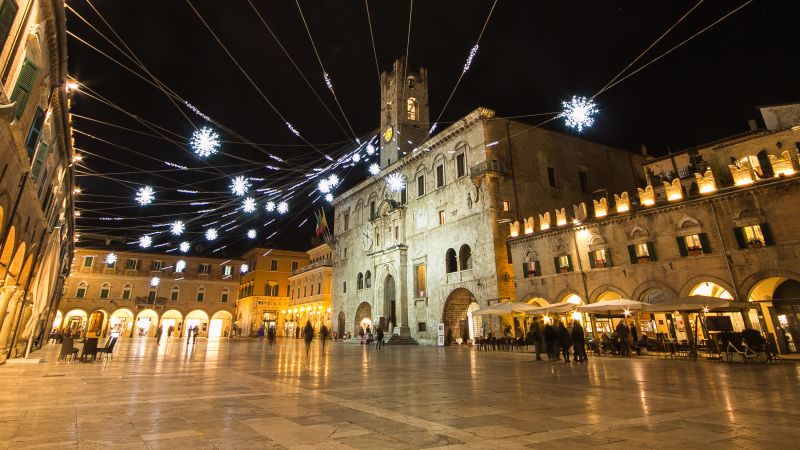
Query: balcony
[[488, 167], [320, 263]]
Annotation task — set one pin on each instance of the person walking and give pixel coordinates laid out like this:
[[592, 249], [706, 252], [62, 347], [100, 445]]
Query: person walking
[[563, 340], [550, 342], [308, 334], [271, 336], [536, 334], [159, 333], [623, 334], [196, 332], [323, 334], [578, 342], [169, 331], [379, 336], [297, 333]]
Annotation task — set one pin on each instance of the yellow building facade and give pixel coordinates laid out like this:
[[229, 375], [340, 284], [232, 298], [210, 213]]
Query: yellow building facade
[[264, 288], [132, 294], [310, 292]]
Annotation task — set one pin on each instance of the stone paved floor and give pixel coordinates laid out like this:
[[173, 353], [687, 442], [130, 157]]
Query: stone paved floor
[[242, 394]]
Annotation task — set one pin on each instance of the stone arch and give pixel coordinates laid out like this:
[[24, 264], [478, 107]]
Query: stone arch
[[539, 301], [690, 285], [146, 322], [220, 324], [465, 257], [15, 266], [637, 232], [748, 212], [363, 316], [596, 239], [8, 247], [381, 273], [121, 322], [567, 294], [172, 318], [600, 293], [97, 321], [454, 314], [26, 271], [651, 285], [754, 279], [687, 222], [75, 320], [196, 318], [450, 261]]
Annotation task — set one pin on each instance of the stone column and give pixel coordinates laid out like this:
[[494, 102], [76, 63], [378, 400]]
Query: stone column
[[5, 330], [5, 296]]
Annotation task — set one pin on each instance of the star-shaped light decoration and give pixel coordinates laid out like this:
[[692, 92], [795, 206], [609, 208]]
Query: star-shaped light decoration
[[155, 281], [180, 265], [395, 182], [249, 205], [177, 228], [579, 112], [204, 142], [145, 195], [251, 234], [239, 185], [145, 241], [111, 259], [211, 234], [184, 247], [283, 208]]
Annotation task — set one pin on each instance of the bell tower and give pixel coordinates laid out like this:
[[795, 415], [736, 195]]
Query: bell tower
[[404, 112]]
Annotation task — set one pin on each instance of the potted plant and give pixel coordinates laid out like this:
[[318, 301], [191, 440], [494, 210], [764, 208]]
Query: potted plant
[[643, 259], [563, 269], [600, 263], [755, 243], [694, 251]]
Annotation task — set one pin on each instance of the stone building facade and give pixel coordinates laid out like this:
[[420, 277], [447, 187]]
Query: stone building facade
[[310, 290], [140, 292], [706, 233], [36, 174], [264, 289], [436, 248]]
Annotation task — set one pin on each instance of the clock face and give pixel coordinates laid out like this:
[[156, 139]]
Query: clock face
[[387, 135], [366, 240]]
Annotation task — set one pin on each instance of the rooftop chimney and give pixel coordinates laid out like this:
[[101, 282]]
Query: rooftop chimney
[[752, 124]]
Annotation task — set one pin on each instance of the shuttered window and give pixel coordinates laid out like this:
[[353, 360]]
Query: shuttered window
[[22, 90], [34, 132], [38, 161], [7, 14]]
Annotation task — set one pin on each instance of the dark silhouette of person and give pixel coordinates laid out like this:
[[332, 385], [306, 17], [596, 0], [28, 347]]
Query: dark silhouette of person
[[323, 334], [308, 334], [379, 335]]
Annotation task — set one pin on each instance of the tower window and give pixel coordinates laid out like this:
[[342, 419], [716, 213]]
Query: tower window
[[440, 175], [412, 82], [411, 108], [551, 176], [420, 185], [461, 165]]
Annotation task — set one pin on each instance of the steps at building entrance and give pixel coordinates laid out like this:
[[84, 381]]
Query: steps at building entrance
[[397, 339]]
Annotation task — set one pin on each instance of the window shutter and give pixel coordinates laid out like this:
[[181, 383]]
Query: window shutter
[[7, 14], [632, 253], [652, 251], [704, 242], [767, 232], [569, 262], [22, 90], [537, 268], [608, 258], [740, 240], [524, 270], [42, 183], [682, 246], [555, 264], [34, 132], [592, 262]]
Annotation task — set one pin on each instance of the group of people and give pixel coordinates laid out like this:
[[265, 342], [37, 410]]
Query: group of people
[[557, 339], [160, 332], [624, 338]]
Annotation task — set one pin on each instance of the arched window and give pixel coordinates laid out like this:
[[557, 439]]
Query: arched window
[[105, 290], [465, 257], [80, 292], [450, 263], [411, 108], [368, 279], [360, 281], [126, 292], [174, 293]]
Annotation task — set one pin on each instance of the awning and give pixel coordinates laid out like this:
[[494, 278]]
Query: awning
[[555, 308], [504, 309], [613, 306], [698, 303]]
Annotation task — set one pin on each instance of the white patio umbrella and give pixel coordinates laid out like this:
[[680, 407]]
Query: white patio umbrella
[[613, 306], [555, 308], [699, 303], [502, 309]]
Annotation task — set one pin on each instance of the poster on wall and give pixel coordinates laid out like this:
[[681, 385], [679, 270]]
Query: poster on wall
[[440, 335]]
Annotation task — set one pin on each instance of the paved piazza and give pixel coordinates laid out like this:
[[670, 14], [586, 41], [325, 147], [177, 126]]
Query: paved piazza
[[243, 394]]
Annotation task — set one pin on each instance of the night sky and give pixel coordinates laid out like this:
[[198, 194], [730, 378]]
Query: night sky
[[533, 55]]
